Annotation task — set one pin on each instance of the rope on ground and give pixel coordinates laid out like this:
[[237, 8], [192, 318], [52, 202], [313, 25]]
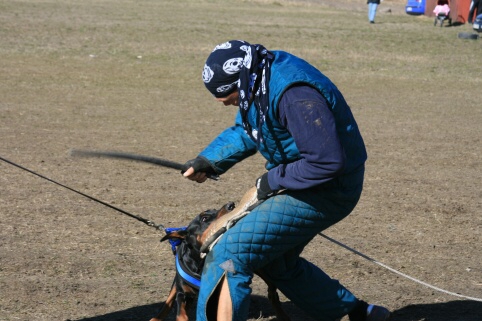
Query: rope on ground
[[397, 272]]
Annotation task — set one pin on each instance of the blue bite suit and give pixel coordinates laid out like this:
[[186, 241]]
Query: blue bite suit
[[273, 235]]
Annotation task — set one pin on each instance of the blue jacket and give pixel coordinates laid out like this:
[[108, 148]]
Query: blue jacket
[[234, 145]]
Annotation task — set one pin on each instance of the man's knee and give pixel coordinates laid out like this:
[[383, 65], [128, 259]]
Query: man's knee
[[287, 267]]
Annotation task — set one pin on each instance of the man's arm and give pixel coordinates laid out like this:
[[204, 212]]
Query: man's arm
[[306, 115]]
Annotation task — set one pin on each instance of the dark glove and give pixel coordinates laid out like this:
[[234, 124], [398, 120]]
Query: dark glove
[[199, 164], [262, 185]]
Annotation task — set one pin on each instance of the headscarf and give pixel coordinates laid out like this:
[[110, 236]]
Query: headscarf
[[236, 64]]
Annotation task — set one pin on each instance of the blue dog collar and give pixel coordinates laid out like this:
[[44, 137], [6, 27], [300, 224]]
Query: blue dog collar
[[186, 276]]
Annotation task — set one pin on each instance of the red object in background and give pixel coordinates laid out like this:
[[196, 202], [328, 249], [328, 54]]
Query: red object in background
[[459, 9]]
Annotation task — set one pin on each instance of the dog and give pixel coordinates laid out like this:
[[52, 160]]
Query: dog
[[189, 265]]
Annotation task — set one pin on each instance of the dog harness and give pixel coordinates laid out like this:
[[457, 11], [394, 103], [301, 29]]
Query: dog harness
[[174, 242], [190, 277]]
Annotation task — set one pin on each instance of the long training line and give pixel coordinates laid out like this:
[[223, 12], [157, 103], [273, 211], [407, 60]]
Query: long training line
[[143, 220], [150, 223], [397, 272]]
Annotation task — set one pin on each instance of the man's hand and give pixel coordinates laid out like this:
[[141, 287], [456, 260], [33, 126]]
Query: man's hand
[[198, 169], [263, 188]]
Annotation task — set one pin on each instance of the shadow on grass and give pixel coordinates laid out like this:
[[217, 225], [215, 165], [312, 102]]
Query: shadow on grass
[[449, 311], [144, 313], [260, 308], [455, 24]]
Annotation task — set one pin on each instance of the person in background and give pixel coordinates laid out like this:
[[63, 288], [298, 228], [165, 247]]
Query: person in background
[[442, 11], [442, 7], [301, 124], [372, 9], [475, 9]]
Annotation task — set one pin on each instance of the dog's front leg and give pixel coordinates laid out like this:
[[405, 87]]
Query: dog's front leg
[[166, 308], [181, 307], [273, 298]]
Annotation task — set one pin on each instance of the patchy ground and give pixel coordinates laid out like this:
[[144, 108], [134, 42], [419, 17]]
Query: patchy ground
[[125, 75]]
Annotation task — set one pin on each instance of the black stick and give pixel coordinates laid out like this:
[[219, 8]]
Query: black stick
[[135, 157]]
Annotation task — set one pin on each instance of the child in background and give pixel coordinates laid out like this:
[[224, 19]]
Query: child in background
[[442, 7], [441, 10]]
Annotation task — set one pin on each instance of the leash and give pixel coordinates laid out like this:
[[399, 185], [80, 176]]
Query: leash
[[366, 257], [137, 217], [195, 282], [174, 245]]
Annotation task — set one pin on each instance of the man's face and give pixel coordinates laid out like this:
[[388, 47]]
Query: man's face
[[231, 99]]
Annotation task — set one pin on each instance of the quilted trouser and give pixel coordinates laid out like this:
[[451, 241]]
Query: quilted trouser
[[271, 238]]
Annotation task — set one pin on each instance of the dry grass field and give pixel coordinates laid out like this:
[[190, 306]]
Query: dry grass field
[[125, 75]]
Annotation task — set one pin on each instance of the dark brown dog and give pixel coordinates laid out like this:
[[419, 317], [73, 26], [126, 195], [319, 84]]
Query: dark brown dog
[[189, 264]]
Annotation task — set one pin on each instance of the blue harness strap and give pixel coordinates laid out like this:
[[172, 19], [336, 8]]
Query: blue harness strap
[[188, 278], [174, 242]]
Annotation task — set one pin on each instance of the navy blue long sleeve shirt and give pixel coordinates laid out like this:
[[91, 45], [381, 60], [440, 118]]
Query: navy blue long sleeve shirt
[[306, 115]]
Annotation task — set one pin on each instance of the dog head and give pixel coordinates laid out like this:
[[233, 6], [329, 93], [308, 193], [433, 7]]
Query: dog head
[[192, 235]]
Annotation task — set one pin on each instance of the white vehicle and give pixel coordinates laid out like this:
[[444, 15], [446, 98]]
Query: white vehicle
[[477, 25]]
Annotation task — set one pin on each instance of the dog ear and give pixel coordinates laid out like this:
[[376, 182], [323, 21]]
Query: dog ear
[[180, 234]]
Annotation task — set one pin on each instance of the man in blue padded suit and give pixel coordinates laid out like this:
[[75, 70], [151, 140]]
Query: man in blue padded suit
[[299, 121]]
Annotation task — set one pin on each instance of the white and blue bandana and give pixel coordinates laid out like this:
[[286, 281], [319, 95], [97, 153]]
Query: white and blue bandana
[[237, 64]]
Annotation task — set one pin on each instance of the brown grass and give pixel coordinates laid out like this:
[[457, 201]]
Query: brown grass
[[126, 75]]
